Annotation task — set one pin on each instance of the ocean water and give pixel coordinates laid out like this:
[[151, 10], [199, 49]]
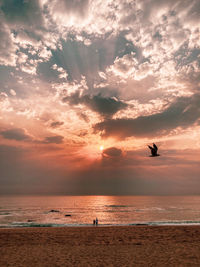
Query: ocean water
[[36, 211]]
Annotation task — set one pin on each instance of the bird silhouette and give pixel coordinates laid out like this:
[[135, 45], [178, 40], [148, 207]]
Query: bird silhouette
[[154, 150]]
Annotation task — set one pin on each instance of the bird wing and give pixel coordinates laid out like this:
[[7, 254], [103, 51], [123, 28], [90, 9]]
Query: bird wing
[[155, 147], [153, 151]]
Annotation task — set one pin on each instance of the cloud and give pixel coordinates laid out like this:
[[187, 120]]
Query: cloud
[[65, 8], [12, 92], [17, 134], [61, 71], [20, 134], [83, 116], [7, 46], [125, 67], [73, 59], [112, 152], [56, 124], [106, 107], [3, 97], [26, 13], [182, 113], [57, 139]]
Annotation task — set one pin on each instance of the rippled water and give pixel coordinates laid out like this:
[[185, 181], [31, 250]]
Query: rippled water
[[110, 210]]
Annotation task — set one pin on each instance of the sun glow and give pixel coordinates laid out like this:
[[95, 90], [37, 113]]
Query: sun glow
[[101, 148]]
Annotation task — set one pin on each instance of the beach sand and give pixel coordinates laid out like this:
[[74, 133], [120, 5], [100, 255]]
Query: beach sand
[[101, 246]]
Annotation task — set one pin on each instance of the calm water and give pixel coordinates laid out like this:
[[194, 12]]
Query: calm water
[[110, 210]]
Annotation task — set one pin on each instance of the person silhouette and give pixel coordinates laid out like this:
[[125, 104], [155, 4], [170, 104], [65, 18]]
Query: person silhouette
[[97, 221]]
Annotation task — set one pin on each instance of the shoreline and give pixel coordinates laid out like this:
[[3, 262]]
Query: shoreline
[[99, 226], [139, 245], [53, 225]]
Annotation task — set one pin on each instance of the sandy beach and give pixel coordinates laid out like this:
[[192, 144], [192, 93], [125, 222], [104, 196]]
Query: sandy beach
[[101, 246]]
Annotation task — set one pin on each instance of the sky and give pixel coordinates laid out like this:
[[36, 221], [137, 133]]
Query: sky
[[87, 85]]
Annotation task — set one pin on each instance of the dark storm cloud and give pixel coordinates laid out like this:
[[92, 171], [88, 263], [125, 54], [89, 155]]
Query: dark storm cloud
[[182, 113], [102, 105], [112, 152], [17, 134], [57, 139]]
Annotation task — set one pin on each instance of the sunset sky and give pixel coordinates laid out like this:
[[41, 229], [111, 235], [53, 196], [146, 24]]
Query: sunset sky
[[86, 85]]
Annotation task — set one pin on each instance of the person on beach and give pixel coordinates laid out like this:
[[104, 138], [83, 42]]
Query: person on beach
[[96, 221]]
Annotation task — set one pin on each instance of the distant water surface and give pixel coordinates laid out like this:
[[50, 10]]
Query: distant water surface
[[110, 210]]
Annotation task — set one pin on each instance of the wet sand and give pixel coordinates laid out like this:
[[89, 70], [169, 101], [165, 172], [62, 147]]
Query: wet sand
[[101, 246]]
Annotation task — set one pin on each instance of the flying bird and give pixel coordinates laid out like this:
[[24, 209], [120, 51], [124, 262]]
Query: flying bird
[[154, 151]]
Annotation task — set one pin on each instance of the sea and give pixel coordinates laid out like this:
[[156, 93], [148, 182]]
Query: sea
[[69, 211]]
